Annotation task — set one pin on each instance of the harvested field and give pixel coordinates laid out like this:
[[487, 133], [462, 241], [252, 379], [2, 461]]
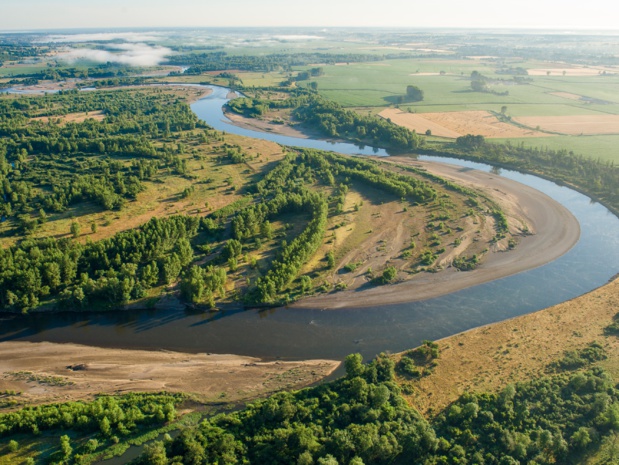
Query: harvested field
[[454, 124], [73, 117], [574, 125], [416, 122]]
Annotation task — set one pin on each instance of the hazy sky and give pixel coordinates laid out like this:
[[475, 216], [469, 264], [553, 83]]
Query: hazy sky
[[561, 14]]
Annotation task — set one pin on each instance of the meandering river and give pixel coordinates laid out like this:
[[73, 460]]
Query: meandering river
[[291, 333]]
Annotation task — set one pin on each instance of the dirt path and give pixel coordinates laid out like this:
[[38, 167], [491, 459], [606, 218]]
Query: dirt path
[[554, 228], [40, 371]]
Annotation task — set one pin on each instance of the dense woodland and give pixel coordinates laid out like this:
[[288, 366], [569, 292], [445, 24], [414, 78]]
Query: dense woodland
[[109, 70], [364, 419], [49, 166]]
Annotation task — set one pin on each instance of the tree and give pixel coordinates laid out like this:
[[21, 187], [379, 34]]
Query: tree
[[65, 447], [232, 249], [155, 454], [13, 446], [354, 365], [330, 259], [389, 274], [470, 141], [75, 229], [414, 93], [479, 86]]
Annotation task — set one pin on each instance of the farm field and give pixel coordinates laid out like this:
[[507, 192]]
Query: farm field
[[574, 125], [453, 124], [604, 147], [581, 103]]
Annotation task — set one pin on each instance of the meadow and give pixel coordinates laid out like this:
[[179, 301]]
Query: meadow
[[372, 87]]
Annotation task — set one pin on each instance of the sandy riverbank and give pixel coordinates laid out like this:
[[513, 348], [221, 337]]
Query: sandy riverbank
[[211, 377], [265, 125], [554, 228]]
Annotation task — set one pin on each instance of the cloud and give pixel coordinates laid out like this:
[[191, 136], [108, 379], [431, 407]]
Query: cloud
[[104, 37], [134, 54]]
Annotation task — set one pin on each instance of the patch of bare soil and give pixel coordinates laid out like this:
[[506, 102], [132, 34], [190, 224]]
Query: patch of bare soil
[[271, 123], [486, 359], [46, 372]]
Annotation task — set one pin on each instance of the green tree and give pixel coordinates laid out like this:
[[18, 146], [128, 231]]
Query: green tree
[[330, 259], [389, 274], [155, 454], [65, 447], [414, 93], [75, 229], [354, 365]]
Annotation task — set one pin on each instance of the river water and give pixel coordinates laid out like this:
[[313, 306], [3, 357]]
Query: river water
[[290, 333]]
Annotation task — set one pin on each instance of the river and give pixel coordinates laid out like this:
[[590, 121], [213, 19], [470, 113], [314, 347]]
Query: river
[[291, 333]]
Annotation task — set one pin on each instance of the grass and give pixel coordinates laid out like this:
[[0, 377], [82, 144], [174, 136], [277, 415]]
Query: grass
[[370, 87], [605, 147]]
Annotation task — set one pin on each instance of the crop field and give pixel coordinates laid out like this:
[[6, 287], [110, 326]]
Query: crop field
[[582, 103], [605, 147], [453, 124], [574, 125]]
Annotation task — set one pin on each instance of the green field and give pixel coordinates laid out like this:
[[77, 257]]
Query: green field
[[602, 147], [370, 87]]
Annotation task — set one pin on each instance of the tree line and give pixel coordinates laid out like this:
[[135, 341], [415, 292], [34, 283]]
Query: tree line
[[220, 61], [333, 120]]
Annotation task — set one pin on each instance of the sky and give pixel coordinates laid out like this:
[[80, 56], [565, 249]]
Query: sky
[[529, 14]]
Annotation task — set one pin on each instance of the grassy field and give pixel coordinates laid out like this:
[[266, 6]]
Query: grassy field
[[371, 87], [603, 147]]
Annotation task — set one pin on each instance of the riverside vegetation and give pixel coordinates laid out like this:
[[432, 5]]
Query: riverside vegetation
[[361, 418], [55, 171]]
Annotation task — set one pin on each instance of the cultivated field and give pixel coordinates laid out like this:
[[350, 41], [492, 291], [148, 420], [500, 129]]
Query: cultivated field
[[454, 124], [573, 125]]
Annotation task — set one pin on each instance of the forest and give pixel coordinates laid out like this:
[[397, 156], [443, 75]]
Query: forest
[[51, 167], [363, 418]]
